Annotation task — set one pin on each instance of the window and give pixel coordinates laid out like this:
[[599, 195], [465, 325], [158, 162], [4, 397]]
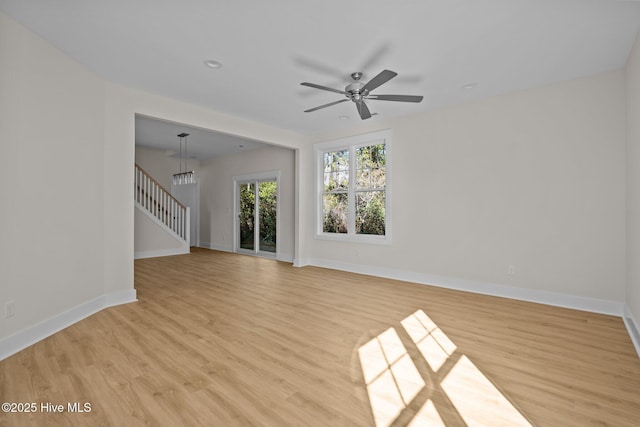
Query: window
[[353, 177]]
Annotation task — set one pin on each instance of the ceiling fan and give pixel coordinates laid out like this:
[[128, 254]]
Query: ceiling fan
[[359, 92]]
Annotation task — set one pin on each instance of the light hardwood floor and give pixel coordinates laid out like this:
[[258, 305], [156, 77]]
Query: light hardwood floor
[[220, 339]]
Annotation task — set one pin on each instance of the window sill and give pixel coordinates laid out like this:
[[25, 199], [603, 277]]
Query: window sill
[[358, 238]]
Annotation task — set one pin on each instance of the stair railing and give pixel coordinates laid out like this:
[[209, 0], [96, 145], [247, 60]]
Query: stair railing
[[160, 203]]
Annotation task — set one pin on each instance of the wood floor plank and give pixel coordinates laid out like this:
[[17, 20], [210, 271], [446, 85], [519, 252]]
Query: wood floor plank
[[225, 339]]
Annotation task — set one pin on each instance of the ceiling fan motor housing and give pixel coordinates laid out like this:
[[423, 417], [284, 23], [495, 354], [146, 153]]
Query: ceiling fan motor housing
[[353, 91]]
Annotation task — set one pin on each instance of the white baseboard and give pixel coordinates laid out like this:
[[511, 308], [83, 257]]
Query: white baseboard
[[226, 248], [161, 252], [209, 245], [633, 327], [301, 262], [31, 335], [595, 305], [285, 257]]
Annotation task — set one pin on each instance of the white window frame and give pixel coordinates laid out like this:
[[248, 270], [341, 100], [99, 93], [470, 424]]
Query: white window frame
[[352, 143]]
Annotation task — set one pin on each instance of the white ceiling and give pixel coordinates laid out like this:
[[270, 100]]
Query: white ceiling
[[268, 48], [201, 144]]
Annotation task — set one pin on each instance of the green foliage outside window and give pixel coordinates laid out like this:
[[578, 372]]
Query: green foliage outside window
[[267, 192], [368, 187], [247, 215]]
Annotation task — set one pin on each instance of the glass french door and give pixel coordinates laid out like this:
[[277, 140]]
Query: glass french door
[[257, 216]]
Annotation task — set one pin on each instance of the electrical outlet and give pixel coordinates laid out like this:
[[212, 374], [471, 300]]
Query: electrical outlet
[[511, 270], [10, 309]]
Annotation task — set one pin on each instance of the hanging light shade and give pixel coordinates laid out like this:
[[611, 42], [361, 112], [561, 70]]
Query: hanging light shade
[[186, 177]]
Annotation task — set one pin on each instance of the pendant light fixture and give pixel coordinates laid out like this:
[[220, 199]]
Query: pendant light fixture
[[186, 177]]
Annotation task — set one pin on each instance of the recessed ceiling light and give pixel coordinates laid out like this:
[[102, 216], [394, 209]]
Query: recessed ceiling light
[[469, 85], [344, 117], [212, 63]]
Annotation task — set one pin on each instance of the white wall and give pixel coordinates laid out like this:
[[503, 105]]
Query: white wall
[[633, 188], [533, 179], [216, 212], [51, 180], [152, 239]]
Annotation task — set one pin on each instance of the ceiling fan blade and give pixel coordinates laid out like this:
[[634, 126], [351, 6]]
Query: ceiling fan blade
[[378, 80], [325, 106], [363, 110], [375, 57], [324, 88], [401, 98], [318, 66]]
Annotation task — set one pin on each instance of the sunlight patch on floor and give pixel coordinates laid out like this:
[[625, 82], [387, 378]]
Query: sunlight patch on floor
[[433, 344], [393, 380], [427, 416], [477, 400]]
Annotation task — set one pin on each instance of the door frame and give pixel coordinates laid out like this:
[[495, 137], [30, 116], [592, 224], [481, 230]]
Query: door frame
[[255, 178]]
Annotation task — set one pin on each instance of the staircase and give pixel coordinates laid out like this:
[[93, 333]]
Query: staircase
[[162, 222]]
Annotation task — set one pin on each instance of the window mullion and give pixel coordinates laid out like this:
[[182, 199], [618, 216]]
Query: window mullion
[[351, 197], [256, 218]]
